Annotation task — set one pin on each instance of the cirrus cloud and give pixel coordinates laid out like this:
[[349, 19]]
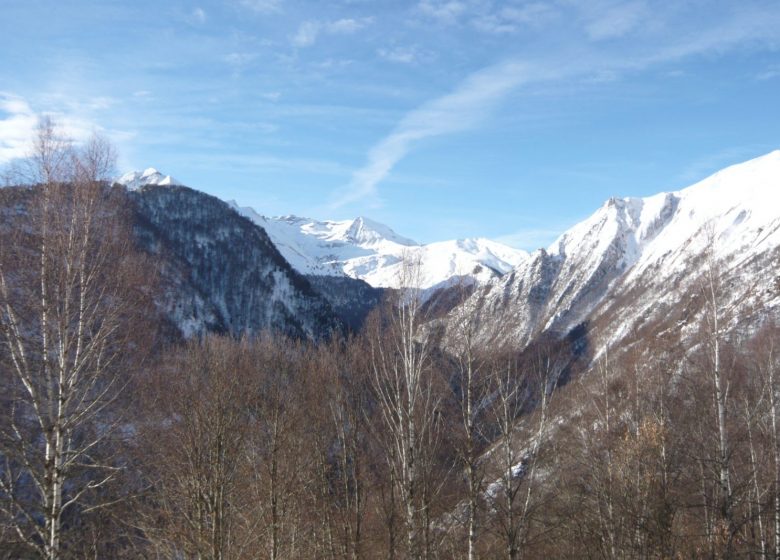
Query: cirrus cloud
[[309, 31], [460, 110]]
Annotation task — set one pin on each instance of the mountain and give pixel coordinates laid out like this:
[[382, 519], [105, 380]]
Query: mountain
[[634, 263], [373, 252], [135, 180], [637, 263], [219, 271]]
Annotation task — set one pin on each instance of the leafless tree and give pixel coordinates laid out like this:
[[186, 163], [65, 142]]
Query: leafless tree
[[471, 387], [340, 398], [67, 298], [521, 387], [408, 401], [196, 423]]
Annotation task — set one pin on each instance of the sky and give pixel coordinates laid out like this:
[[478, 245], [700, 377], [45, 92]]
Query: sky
[[444, 119]]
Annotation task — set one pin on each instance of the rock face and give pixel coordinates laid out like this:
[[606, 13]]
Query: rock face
[[220, 272], [638, 261]]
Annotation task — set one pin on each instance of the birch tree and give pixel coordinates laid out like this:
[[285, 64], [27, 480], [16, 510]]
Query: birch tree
[[471, 389], [402, 379], [516, 494], [66, 302]]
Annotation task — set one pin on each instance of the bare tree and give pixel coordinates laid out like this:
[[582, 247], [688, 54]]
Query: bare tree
[[770, 369], [712, 291], [403, 383], [344, 445], [516, 494], [66, 302], [195, 425], [763, 351], [471, 388]]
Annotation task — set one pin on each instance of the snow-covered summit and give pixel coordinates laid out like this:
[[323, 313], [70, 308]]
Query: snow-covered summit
[[646, 251], [365, 249], [364, 231], [734, 205], [136, 179]]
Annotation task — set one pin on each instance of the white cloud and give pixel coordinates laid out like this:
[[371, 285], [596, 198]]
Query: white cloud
[[334, 63], [488, 17], [263, 6], [616, 20], [309, 31], [445, 11], [18, 121], [462, 109], [404, 55], [511, 19], [197, 16], [346, 25], [307, 34], [239, 58]]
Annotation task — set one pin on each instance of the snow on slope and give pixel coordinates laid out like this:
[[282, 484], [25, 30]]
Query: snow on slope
[[365, 249], [642, 251], [738, 206], [134, 180], [370, 251]]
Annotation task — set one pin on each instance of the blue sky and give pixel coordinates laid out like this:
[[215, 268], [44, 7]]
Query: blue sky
[[442, 118]]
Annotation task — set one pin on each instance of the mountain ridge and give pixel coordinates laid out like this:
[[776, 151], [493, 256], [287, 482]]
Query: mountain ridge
[[368, 250], [644, 252]]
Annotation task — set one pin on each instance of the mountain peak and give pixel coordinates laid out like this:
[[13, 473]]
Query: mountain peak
[[135, 180], [365, 231]]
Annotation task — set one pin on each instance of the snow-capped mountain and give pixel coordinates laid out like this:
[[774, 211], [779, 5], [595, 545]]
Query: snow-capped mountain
[[636, 261], [136, 179], [365, 249], [373, 252], [633, 263]]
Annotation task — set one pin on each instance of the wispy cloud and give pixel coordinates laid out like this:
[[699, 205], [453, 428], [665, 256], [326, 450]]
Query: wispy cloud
[[263, 6], [197, 16], [462, 109], [511, 19], [615, 20], [238, 59], [405, 55], [770, 73], [445, 11], [466, 107], [309, 31], [494, 18], [307, 34]]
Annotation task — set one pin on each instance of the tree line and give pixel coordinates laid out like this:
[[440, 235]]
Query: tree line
[[405, 440]]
